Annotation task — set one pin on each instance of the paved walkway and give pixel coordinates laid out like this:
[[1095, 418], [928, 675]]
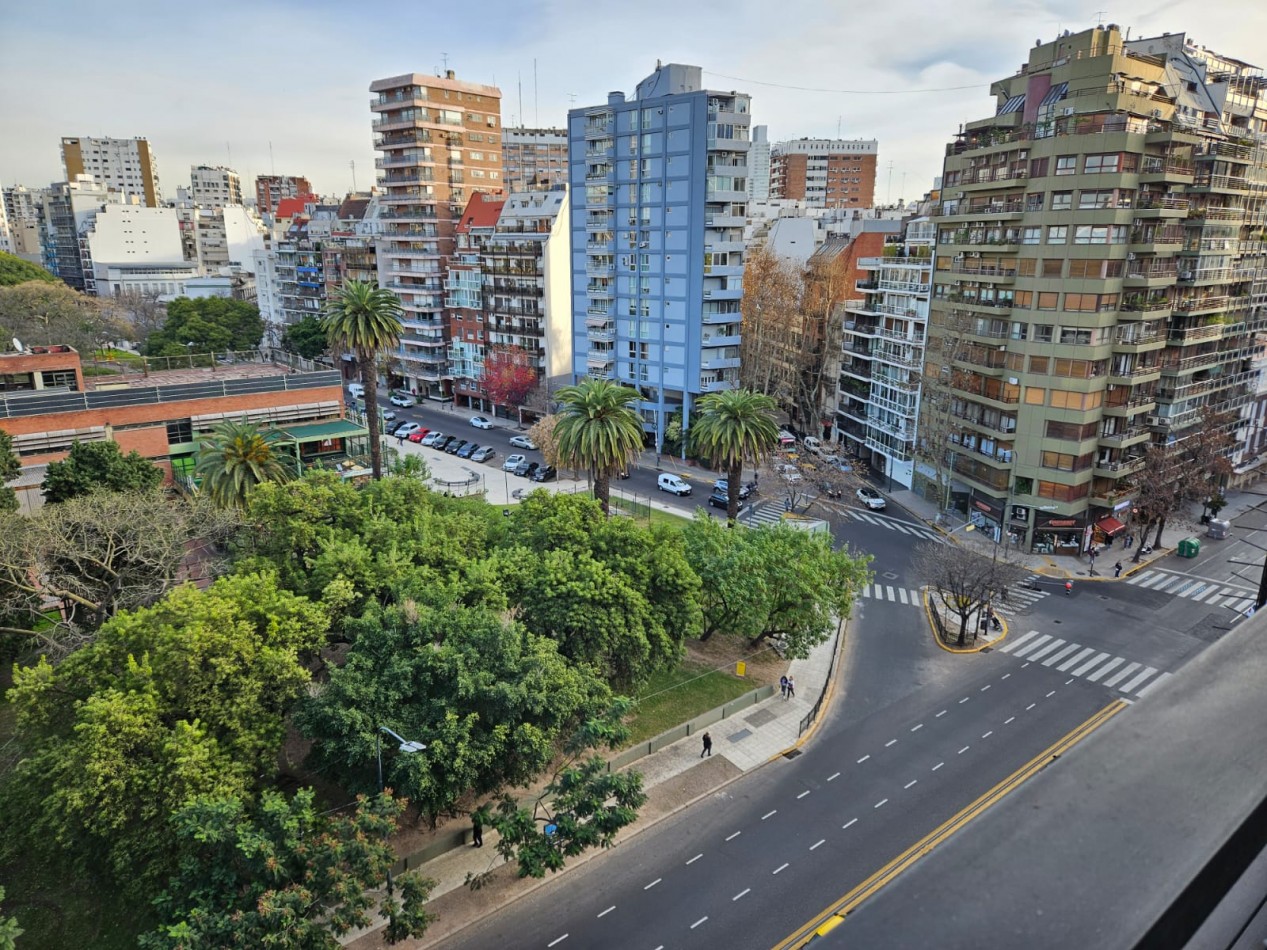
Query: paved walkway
[[674, 778]]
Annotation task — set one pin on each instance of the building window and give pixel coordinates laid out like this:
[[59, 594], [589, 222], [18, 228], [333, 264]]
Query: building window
[[1061, 200], [1097, 164], [180, 431], [1057, 234], [1053, 267], [1067, 165]]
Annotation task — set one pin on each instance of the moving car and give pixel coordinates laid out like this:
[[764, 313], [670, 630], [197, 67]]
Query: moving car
[[673, 484], [480, 422], [466, 451], [431, 438], [402, 399], [522, 442], [723, 485], [388, 415], [545, 474], [871, 498], [405, 429], [512, 462], [356, 390], [483, 454], [418, 435]]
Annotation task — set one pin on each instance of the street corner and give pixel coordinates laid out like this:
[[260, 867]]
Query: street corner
[[978, 645]]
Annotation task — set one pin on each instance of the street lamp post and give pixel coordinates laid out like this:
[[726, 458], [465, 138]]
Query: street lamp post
[[408, 747]]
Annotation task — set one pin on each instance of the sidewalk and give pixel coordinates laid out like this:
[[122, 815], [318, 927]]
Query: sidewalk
[[674, 778]]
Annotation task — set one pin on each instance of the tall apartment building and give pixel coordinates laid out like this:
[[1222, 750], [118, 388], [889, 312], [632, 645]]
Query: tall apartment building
[[759, 165], [440, 142], [128, 248], [68, 206], [465, 300], [534, 159], [659, 199], [123, 165], [825, 173], [270, 190], [1100, 274], [885, 333], [214, 186], [24, 209]]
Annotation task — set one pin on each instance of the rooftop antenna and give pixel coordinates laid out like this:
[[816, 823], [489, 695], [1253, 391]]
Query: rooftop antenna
[[839, 119], [352, 165], [229, 151], [888, 196], [1099, 17], [521, 100], [445, 58], [272, 165], [536, 112]]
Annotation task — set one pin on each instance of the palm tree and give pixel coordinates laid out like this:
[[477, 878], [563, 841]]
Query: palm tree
[[598, 430], [731, 428], [365, 319], [236, 457]]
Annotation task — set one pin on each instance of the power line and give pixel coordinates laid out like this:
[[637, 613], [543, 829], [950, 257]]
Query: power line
[[846, 92]]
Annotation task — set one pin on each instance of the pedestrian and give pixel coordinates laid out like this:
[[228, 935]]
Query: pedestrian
[[708, 746], [791, 687], [787, 504], [783, 686], [1117, 569], [1068, 588], [1130, 539], [756, 479], [994, 619], [477, 830], [400, 439]]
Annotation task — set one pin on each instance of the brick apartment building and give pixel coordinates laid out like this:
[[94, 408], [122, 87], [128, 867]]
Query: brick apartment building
[[825, 173]]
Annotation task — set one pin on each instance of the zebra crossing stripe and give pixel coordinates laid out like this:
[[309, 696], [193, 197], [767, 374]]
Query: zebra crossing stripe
[[1043, 651], [1118, 677], [1009, 647], [902, 593], [1214, 601], [1183, 589], [1092, 663], [892, 596], [1087, 651], [1166, 581], [1139, 579], [1160, 679], [1057, 657], [1202, 594], [1112, 664], [898, 527], [915, 596], [1130, 687]]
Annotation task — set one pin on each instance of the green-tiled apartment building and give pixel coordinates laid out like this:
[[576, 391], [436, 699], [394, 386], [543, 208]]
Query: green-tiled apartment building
[[1099, 278]]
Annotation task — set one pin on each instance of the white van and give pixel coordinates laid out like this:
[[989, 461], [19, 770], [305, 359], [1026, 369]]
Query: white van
[[672, 483], [356, 390], [813, 444]]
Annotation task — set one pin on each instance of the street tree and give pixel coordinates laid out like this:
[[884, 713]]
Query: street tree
[[598, 430], [99, 466], [142, 312], [542, 433], [9, 930], [184, 698], [282, 873], [773, 583], [10, 469], [732, 428], [210, 324], [771, 320], [307, 338], [964, 581], [237, 457], [38, 312], [940, 386], [508, 376], [365, 319], [97, 555]]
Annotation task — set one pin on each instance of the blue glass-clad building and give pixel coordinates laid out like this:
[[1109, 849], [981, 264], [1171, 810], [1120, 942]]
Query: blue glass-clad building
[[659, 186]]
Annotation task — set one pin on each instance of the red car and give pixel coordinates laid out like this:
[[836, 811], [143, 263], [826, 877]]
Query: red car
[[418, 435]]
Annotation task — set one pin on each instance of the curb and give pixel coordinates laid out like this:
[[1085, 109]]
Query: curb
[[963, 651], [830, 686]]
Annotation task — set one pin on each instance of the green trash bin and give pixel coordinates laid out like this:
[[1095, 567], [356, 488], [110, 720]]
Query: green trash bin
[[1189, 547]]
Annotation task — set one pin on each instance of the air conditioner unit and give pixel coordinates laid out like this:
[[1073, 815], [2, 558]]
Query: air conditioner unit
[[1152, 420], [1130, 256], [1068, 110]]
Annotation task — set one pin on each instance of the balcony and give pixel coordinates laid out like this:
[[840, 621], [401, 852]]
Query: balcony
[[997, 209], [1139, 342], [720, 340], [1130, 435], [595, 335], [1151, 272], [599, 150], [1216, 214], [1120, 468], [593, 269], [999, 274], [600, 128], [1148, 205], [721, 362], [1223, 184], [1172, 170], [600, 222], [599, 291], [1191, 335]]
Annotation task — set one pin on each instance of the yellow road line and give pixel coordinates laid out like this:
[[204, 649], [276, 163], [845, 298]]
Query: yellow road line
[[851, 899]]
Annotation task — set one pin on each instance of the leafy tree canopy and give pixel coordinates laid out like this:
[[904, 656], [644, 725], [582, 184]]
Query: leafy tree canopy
[[10, 468], [14, 270], [237, 457], [211, 324], [307, 338], [508, 376], [40, 313], [181, 699], [99, 466], [282, 874]]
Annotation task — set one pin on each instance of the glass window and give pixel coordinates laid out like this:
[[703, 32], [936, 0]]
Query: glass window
[[1031, 235], [1067, 165], [1096, 164], [1095, 199], [1057, 234], [1061, 200], [1048, 300], [1038, 168]]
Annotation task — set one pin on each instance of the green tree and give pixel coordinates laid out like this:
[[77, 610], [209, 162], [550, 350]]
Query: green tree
[[97, 555], [211, 324], [9, 930], [598, 430], [10, 468], [37, 312], [99, 466], [181, 699], [307, 338], [14, 270], [237, 457], [366, 320], [282, 874], [489, 699], [773, 582], [732, 428]]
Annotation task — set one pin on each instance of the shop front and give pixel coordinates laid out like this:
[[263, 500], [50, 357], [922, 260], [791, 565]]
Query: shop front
[[987, 514], [1108, 527], [1059, 534]]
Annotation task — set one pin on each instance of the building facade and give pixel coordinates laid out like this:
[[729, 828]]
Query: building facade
[[465, 300], [270, 190], [24, 210], [825, 173], [759, 165], [68, 207], [439, 141], [534, 159], [123, 165], [214, 186], [1100, 276], [659, 197], [885, 331]]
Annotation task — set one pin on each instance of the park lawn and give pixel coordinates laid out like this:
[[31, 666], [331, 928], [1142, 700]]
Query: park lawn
[[671, 698]]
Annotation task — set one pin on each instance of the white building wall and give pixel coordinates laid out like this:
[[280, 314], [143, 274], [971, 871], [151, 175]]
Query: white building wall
[[558, 294], [759, 165], [130, 234]]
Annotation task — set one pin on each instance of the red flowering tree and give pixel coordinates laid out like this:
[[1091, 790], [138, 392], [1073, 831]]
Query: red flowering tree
[[508, 376]]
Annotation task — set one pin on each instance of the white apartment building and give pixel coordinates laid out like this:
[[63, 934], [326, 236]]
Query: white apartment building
[[214, 186], [759, 165], [123, 165], [134, 248]]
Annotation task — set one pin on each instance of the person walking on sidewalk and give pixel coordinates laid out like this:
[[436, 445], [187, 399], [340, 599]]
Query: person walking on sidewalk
[[783, 686], [708, 746], [1117, 569], [477, 830], [791, 688]]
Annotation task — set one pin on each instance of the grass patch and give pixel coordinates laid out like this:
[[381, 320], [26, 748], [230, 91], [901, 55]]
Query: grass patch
[[641, 511], [673, 697]]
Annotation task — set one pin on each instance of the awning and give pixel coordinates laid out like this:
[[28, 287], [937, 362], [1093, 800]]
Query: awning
[[320, 431], [1110, 526]]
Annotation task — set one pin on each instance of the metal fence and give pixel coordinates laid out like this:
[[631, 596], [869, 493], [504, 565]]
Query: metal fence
[[812, 715]]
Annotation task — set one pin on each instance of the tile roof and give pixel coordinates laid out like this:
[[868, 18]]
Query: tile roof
[[482, 211]]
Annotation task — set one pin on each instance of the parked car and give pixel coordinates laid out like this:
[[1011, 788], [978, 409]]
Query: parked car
[[830, 490], [789, 473], [522, 442], [512, 462], [431, 438], [403, 399], [356, 390], [812, 444], [483, 454], [455, 446], [723, 485], [786, 439], [443, 442], [719, 498], [546, 473], [405, 429], [673, 484], [418, 435], [466, 451], [524, 468], [871, 498], [480, 422]]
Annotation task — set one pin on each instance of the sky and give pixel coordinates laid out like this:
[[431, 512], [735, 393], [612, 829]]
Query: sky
[[283, 85]]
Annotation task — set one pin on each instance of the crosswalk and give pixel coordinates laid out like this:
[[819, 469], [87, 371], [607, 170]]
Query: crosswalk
[[1019, 600], [771, 512], [1209, 593], [1095, 666], [894, 594]]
